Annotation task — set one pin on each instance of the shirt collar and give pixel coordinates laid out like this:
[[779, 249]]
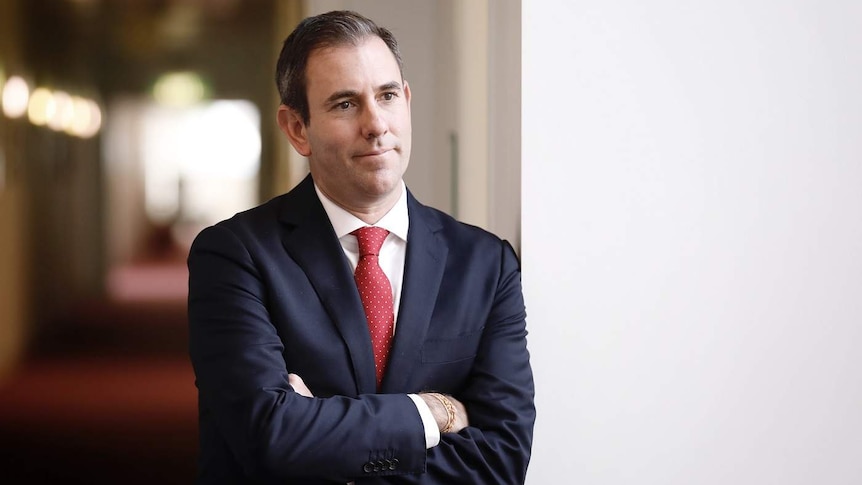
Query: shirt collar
[[396, 221]]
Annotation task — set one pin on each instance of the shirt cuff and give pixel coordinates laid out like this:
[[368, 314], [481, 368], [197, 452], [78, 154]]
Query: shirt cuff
[[432, 433]]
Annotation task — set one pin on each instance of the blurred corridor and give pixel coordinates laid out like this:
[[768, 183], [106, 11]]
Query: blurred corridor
[[97, 213]]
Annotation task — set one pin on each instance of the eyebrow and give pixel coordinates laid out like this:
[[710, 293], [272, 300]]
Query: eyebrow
[[341, 94], [349, 93], [390, 86]]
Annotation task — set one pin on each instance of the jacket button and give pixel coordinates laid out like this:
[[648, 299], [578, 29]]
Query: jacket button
[[368, 468], [393, 463]]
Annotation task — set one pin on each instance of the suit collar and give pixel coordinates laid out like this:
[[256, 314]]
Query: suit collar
[[311, 241]]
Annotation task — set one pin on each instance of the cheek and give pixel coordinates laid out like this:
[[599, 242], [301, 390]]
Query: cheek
[[324, 146], [334, 141], [402, 125]]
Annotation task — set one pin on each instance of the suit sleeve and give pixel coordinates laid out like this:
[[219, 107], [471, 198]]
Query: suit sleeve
[[495, 448], [273, 432]]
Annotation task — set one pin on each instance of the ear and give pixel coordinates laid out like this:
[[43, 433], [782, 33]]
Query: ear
[[407, 93], [290, 123]]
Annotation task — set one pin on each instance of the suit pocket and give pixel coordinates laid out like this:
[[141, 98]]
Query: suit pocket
[[462, 347]]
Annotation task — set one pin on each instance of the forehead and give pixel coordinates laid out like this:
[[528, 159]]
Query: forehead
[[349, 66]]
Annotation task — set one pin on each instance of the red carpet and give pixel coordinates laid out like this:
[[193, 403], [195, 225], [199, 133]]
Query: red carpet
[[109, 398], [99, 421]]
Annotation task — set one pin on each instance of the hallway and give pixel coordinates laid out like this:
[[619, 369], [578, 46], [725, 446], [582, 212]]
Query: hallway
[[95, 380], [110, 398]]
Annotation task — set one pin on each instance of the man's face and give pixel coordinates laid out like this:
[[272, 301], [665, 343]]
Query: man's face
[[358, 136]]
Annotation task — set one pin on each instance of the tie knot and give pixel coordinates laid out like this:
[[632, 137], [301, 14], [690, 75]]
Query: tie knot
[[370, 239]]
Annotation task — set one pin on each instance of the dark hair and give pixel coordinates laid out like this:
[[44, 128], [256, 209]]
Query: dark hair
[[324, 30]]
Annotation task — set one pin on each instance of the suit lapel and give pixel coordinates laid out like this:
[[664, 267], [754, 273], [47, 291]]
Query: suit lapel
[[423, 272], [311, 242]]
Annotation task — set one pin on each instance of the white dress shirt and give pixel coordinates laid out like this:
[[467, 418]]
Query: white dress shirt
[[391, 260]]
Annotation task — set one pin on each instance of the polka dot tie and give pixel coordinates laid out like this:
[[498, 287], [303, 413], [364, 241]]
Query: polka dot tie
[[376, 294]]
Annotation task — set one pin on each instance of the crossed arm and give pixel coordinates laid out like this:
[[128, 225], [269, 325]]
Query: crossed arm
[[273, 430], [457, 414]]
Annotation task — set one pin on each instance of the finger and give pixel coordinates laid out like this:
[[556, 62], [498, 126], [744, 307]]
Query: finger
[[461, 418], [298, 385]]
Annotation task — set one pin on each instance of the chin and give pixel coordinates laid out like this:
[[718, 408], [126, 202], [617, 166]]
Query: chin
[[382, 184]]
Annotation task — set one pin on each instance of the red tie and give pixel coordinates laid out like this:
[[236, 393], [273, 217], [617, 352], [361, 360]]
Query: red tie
[[376, 294]]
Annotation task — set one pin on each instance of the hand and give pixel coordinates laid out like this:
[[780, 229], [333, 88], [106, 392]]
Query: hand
[[298, 385], [461, 420], [441, 415]]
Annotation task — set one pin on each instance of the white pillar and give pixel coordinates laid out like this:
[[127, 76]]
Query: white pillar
[[692, 240]]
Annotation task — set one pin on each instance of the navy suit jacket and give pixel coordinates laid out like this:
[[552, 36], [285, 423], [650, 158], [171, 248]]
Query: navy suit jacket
[[271, 292]]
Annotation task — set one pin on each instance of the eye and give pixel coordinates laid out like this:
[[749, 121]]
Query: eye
[[389, 96], [344, 105]]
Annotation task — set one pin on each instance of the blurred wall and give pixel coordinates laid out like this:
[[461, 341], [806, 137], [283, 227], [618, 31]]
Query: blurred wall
[[13, 254], [692, 240], [61, 44]]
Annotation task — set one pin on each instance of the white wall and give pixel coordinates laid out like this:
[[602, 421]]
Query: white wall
[[692, 240]]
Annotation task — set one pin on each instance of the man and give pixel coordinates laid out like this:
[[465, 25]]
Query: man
[[320, 359]]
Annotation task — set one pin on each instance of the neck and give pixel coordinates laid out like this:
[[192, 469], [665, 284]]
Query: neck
[[371, 214], [368, 211]]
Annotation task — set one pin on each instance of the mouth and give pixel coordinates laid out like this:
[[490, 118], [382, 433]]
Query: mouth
[[374, 153]]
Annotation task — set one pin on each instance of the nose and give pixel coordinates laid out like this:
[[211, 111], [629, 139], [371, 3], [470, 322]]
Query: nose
[[374, 124]]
